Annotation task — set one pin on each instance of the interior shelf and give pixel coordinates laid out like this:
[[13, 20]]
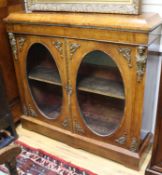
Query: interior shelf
[[102, 86], [91, 84], [46, 75]]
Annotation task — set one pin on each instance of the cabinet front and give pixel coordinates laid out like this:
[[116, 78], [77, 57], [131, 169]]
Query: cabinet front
[[102, 79], [43, 76]]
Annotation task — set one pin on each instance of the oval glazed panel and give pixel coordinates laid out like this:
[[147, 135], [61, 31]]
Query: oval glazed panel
[[44, 81], [100, 93]]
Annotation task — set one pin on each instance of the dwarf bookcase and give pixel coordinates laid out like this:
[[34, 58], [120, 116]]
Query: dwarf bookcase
[[82, 78]]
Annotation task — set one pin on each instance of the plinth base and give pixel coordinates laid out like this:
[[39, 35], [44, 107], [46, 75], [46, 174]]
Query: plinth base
[[126, 157]]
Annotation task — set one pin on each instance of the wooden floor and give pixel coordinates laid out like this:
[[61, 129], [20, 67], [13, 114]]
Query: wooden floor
[[97, 164]]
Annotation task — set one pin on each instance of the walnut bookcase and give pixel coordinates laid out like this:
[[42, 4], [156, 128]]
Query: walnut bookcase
[[82, 77]]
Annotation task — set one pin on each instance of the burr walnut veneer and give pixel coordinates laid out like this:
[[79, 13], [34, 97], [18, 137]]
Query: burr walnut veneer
[[82, 77]]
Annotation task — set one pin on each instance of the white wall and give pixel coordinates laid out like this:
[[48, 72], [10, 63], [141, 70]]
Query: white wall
[[153, 6], [153, 76]]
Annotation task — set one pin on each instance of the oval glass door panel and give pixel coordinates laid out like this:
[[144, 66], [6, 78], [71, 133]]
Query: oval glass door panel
[[100, 93], [44, 81]]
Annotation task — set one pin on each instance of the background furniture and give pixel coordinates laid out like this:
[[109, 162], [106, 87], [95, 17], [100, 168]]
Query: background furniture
[[155, 167], [82, 78], [8, 157], [6, 62], [6, 120], [7, 133]]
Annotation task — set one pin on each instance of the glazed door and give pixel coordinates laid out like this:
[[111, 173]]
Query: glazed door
[[102, 80], [43, 75]]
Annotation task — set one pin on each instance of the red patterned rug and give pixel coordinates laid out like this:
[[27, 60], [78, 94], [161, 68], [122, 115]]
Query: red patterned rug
[[34, 161]]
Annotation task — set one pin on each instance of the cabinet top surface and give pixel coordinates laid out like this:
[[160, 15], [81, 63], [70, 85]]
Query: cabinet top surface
[[144, 22]]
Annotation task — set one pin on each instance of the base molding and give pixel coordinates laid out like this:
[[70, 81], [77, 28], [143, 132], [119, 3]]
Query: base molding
[[126, 157]]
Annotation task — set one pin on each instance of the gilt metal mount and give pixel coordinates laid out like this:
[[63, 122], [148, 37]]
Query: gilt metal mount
[[141, 60], [12, 40], [21, 42], [65, 123], [126, 52], [121, 140], [73, 48], [69, 90], [28, 110], [59, 46], [78, 129], [134, 145]]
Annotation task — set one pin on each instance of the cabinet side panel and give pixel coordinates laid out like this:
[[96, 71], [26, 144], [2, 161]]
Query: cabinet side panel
[[152, 87]]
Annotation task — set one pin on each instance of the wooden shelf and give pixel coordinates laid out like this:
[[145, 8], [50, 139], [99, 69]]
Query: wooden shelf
[[87, 84], [102, 86], [46, 75]]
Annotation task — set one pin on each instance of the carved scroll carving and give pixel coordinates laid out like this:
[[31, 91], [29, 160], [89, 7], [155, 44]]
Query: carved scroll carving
[[121, 140], [73, 49], [141, 60], [12, 40], [126, 52], [21, 42], [59, 46], [134, 145]]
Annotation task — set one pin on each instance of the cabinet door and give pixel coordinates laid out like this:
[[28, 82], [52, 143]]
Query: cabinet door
[[102, 77], [41, 64]]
